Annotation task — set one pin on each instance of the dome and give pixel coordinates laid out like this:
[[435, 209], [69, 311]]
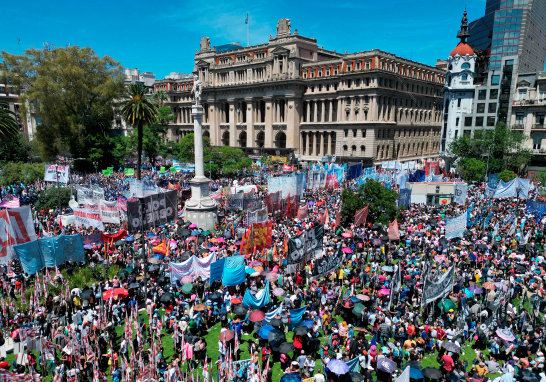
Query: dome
[[462, 49]]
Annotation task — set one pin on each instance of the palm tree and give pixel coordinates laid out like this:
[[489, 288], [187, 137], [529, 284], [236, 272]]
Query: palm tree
[[138, 111], [8, 122], [159, 98]]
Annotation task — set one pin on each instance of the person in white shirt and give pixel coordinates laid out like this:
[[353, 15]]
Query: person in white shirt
[[318, 376]]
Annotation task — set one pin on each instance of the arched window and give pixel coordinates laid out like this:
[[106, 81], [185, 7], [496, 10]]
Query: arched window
[[280, 141], [206, 134], [466, 65], [242, 139], [464, 77], [353, 149], [225, 138], [450, 67], [260, 139], [362, 150]]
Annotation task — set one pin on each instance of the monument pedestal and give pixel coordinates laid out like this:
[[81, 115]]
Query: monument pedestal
[[200, 208]]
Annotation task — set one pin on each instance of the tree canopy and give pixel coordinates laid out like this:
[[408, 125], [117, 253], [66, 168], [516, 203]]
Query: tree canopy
[[498, 149], [381, 202], [74, 91]]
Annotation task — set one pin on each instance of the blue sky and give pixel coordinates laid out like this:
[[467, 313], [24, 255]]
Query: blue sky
[[162, 36]]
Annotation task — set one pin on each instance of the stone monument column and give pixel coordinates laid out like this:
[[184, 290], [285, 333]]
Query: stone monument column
[[200, 208]]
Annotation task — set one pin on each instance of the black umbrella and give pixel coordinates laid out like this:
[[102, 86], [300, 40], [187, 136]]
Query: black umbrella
[[258, 325], [240, 310], [275, 322], [413, 365], [185, 232], [451, 346], [215, 295], [528, 376], [432, 373], [275, 338], [133, 264], [286, 347], [301, 330], [384, 238], [86, 294], [482, 246], [521, 268], [135, 286], [123, 273], [356, 377], [375, 227], [166, 297], [152, 268], [185, 256]]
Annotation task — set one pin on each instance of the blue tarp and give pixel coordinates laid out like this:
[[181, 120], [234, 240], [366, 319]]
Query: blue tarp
[[217, 270], [296, 316], [49, 252], [417, 176], [354, 365], [234, 271], [260, 300], [536, 208], [354, 171], [506, 189]]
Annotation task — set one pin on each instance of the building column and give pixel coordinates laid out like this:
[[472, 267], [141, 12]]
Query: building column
[[322, 111], [340, 109], [292, 110], [308, 113], [315, 112], [249, 122], [232, 128], [328, 142], [214, 126], [268, 143]]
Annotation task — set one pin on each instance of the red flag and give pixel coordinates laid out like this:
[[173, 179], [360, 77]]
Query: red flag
[[361, 216], [393, 231], [303, 212]]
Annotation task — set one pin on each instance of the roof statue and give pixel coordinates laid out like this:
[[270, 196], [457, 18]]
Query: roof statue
[[283, 28], [205, 44]]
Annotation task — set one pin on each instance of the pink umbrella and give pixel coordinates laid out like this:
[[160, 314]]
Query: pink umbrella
[[187, 279], [385, 292], [505, 334], [272, 276], [172, 242], [193, 225], [213, 249], [155, 241], [191, 238], [347, 250], [346, 234], [220, 240]]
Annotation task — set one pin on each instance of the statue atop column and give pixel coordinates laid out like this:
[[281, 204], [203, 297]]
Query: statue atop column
[[283, 28], [197, 90], [205, 44]]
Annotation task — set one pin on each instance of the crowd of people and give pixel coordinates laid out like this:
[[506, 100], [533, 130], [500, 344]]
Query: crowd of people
[[354, 321]]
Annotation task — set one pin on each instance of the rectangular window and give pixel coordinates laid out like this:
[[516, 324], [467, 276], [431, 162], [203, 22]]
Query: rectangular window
[[495, 79], [354, 133], [492, 107], [493, 93], [346, 132], [479, 121], [482, 94], [490, 121], [457, 121], [467, 133], [539, 118], [456, 133], [458, 102], [468, 121], [363, 133], [481, 108], [519, 118]]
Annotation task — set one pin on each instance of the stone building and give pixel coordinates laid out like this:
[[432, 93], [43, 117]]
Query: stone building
[[291, 97]]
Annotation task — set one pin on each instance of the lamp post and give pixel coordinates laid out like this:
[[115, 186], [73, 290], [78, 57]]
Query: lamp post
[[518, 190], [96, 164]]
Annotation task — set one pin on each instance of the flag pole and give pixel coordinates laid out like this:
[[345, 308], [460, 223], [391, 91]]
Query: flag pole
[[247, 30]]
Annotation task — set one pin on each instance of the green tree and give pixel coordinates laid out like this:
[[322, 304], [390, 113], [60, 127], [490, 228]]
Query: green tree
[[49, 199], [472, 169], [159, 98], [26, 173], [73, 90], [381, 202], [138, 111], [232, 160], [8, 122], [541, 177], [507, 175], [16, 149], [122, 150], [184, 150], [503, 147]]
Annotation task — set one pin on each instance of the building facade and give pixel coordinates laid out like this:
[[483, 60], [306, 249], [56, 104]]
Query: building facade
[[291, 97], [510, 28]]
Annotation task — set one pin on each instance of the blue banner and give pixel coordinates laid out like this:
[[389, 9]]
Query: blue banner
[[404, 199], [234, 271], [493, 180], [50, 252], [456, 226], [217, 270], [536, 208], [355, 171]]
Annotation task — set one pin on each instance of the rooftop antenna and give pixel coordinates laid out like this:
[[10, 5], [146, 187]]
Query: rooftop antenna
[[247, 31]]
